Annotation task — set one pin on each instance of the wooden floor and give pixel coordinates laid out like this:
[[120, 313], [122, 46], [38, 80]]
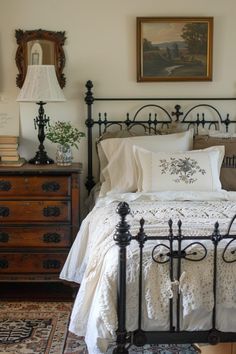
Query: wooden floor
[[37, 292], [223, 348]]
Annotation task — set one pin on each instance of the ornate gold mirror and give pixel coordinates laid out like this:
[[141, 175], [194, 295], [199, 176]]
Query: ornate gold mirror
[[40, 47]]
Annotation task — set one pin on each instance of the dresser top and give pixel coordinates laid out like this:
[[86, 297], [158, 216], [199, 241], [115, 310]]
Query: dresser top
[[41, 169]]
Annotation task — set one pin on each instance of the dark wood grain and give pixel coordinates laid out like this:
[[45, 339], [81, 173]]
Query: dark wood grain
[[39, 220]]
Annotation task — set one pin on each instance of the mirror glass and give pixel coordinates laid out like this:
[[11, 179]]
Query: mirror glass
[[40, 47], [40, 52]]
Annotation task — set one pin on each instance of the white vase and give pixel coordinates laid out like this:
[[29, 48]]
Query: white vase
[[64, 155]]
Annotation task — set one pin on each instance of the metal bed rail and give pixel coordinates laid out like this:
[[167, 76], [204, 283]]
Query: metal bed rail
[[169, 249]]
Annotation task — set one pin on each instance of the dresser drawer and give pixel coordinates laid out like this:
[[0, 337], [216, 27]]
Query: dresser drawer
[[35, 211], [31, 263], [50, 237], [39, 219], [12, 186]]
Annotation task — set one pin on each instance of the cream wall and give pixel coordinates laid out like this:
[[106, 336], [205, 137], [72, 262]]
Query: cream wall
[[101, 45]]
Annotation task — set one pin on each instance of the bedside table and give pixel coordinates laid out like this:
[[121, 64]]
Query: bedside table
[[39, 219]]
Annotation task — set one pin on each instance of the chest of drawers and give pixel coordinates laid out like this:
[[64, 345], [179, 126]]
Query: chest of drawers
[[39, 219]]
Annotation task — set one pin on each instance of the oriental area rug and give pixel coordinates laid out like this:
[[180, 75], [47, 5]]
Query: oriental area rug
[[76, 345], [33, 327], [42, 328]]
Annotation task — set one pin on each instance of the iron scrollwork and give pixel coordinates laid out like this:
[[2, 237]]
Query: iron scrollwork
[[169, 248], [162, 253], [229, 254], [152, 117]]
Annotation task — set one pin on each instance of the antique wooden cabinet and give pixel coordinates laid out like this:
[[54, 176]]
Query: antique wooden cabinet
[[39, 219]]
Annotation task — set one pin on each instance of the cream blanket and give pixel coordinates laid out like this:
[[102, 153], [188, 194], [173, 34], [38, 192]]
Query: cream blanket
[[93, 263]]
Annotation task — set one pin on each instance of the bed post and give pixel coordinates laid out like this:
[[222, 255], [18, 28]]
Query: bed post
[[89, 123], [122, 238]]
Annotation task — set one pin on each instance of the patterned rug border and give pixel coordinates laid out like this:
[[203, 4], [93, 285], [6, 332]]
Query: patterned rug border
[[32, 305], [57, 312], [76, 345], [60, 341]]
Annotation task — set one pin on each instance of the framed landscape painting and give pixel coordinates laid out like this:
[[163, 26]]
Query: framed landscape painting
[[174, 48]]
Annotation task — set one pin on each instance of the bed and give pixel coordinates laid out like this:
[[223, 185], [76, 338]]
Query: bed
[[155, 257]]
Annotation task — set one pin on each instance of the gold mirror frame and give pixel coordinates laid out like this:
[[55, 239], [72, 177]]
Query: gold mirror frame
[[56, 38]]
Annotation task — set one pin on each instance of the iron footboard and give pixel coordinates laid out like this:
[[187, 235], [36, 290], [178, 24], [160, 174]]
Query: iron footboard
[[175, 251]]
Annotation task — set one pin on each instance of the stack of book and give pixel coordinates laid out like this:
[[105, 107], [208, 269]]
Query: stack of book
[[9, 155]]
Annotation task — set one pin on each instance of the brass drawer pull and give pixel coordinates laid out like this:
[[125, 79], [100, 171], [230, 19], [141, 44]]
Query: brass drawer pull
[[4, 264], [51, 264], [4, 211], [51, 211], [50, 187], [5, 186], [4, 237], [52, 237]]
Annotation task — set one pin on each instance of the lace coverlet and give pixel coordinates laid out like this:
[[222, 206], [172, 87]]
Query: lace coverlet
[[93, 259]]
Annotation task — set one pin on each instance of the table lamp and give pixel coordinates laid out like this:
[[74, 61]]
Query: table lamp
[[41, 86]]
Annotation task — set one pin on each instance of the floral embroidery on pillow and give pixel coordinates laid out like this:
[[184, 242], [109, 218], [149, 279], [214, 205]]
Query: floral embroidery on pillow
[[183, 168]]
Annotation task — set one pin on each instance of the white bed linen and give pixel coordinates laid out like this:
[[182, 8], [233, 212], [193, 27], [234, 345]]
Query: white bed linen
[[92, 262]]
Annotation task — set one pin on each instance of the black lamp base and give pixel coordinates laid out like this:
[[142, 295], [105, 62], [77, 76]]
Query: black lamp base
[[41, 158], [40, 122]]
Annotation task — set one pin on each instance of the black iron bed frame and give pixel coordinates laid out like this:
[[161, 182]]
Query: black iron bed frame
[[172, 254], [175, 252]]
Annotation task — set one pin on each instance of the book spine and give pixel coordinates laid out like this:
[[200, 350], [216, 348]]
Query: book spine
[[8, 146], [9, 153], [9, 140], [10, 158], [18, 163]]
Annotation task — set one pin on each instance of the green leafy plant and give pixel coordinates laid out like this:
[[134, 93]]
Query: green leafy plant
[[63, 133]]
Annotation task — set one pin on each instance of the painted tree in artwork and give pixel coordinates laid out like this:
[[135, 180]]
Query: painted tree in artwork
[[168, 53], [147, 45], [195, 35], [175, 49]]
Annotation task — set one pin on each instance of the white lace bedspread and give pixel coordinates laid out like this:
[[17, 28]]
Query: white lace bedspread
[[93, 262]]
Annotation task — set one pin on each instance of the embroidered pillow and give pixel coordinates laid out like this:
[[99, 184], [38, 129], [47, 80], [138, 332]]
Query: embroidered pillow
[[184, 171]]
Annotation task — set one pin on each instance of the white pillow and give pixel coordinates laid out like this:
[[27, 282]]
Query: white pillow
[[197, 170], [121, 174]]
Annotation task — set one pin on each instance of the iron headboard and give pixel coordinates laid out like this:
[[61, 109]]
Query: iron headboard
[[151, 123]]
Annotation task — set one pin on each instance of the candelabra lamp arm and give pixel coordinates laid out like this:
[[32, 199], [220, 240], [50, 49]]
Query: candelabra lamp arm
[[41, 122]]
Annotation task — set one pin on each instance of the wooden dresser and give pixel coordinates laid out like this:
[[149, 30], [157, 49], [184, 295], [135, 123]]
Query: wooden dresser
[[39, 219]]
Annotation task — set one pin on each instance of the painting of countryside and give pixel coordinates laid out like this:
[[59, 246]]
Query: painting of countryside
[[176, 50]]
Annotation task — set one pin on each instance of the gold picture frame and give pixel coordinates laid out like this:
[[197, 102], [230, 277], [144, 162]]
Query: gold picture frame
[[174, 49]]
